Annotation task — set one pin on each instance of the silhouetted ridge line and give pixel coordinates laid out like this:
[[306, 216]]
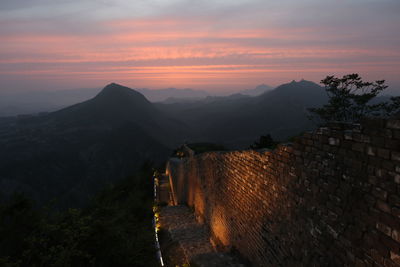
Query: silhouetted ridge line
[[114, 90]]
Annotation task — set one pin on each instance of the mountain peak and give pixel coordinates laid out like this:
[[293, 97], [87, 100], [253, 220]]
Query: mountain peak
[[302, 82], [116, 91], [115, 87], [113, 84], [113, 105]]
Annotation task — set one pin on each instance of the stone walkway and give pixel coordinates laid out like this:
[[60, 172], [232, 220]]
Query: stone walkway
[[193, 238]]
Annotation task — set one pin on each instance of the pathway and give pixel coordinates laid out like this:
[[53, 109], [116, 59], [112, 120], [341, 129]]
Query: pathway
[[193, 238]]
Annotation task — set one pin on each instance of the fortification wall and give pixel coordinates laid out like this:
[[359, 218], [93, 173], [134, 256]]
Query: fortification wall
[[332, 198]]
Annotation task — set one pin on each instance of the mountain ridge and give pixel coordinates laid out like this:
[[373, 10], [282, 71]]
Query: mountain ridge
[[78, 149]]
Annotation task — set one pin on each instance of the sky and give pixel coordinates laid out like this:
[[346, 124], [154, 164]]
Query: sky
[[214, 45]]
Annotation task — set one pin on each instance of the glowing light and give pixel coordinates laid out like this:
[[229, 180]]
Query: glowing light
[[156, 222]]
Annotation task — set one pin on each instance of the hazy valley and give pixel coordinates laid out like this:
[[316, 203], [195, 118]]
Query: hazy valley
[[71, 153]]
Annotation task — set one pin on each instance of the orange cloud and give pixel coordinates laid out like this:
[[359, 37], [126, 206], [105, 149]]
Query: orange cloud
[[175, 52]]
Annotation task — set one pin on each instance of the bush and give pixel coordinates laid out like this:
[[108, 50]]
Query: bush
[[265, 141], [115, 230]]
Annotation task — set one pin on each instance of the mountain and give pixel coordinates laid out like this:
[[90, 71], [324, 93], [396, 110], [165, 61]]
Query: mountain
[[259, 90], [237, 122], [71, 153], [113, 105], [177, 100], [163, 94], [12, 104]]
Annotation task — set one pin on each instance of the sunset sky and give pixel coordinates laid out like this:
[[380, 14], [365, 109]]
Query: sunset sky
[[218, 45]]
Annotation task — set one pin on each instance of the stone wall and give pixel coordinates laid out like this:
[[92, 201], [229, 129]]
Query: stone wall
[[332, 198]]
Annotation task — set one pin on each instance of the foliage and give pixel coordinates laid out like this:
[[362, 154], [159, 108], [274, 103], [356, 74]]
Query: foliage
[[205, 147], [116, 230], [265, 141], [350, 100], [198, 148], [293, 138]]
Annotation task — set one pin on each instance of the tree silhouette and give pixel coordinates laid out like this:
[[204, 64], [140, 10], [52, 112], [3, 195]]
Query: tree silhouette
[[265, 141], [350, 100]]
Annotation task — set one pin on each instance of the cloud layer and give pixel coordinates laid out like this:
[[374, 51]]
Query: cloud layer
[[214, 45]]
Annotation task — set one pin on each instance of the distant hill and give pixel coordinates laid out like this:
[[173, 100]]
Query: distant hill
[[163, 94], [176, 100], [238, 121], [31, 102], [259, 90]]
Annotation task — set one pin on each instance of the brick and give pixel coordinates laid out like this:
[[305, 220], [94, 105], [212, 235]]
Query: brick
[[393, 124], [394, 200], [383, 153], [388, 185], [396, 235], [395, 155], [361, 138], [390, 263], [378, 141], [336, 193], [390, 243], [383, 206], [392, 144], [389, 220], [377, 256], [395, 257], [348, 135], [333, 141], [379, 193], [359, 263], [388, 165], [358, 147], [396, 134], [384, 229], [396, 212], [372, 179], [388, 133], [371, 151], [397, 178]]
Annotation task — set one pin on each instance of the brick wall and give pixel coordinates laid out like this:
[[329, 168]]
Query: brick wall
[[332, 198]]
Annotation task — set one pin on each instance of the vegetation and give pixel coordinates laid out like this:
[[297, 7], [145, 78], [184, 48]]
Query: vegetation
[[115, 230], [205, 147], [198, 148], [350, 99], [265, 141]]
